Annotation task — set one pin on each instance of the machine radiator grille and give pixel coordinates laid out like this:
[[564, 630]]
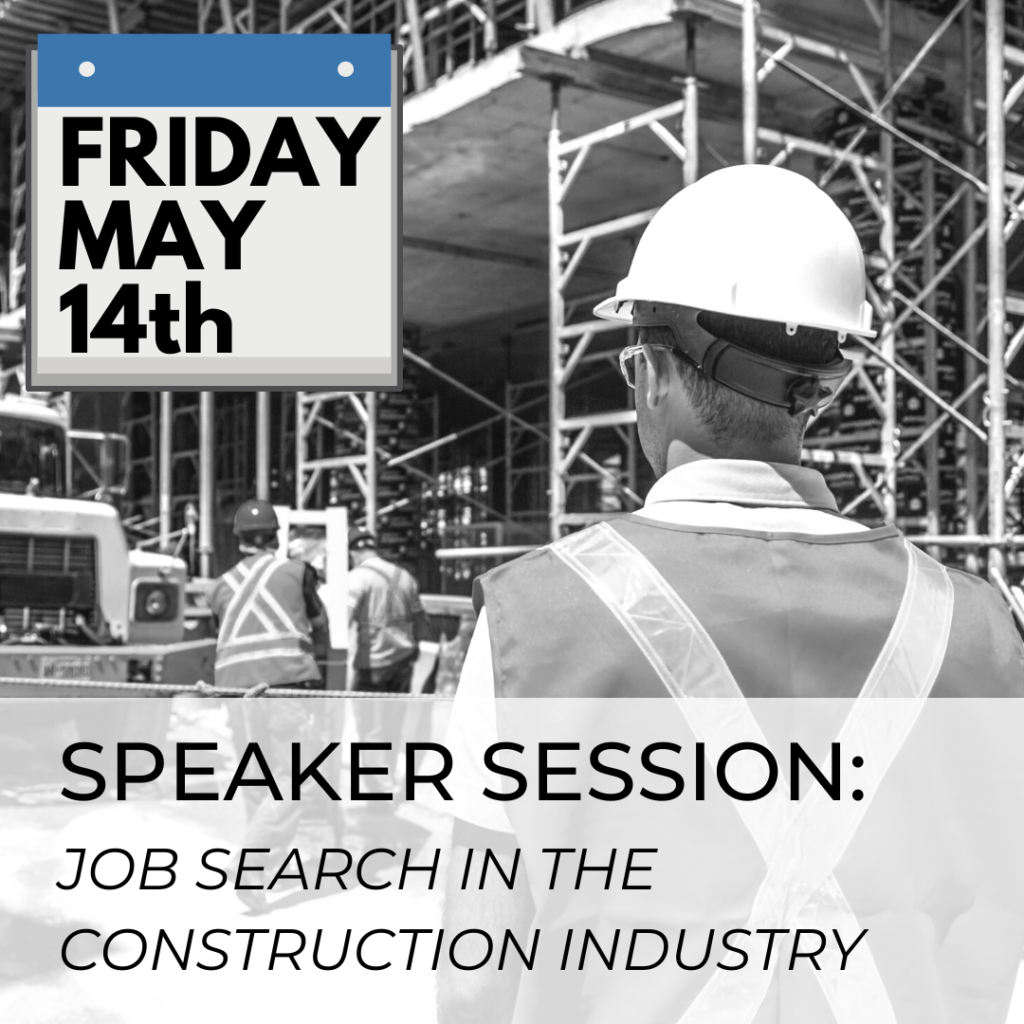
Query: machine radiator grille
[[43, 575]]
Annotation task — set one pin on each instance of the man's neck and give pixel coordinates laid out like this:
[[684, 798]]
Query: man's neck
[[681, 454]]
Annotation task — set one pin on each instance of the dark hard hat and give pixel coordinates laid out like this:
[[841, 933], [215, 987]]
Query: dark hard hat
[[255, 516], [360, 538]]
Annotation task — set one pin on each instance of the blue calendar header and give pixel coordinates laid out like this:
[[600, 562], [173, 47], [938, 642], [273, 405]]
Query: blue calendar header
[[337, 70]]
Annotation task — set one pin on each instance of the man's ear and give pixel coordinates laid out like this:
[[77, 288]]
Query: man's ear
[[660, 370]]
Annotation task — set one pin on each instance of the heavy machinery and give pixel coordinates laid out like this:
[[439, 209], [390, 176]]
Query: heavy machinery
[[76, 603]]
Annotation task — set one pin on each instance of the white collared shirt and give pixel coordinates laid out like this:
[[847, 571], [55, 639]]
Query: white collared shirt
[[766, 497]]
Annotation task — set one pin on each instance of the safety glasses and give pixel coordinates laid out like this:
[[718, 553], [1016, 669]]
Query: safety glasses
[[627, 359]]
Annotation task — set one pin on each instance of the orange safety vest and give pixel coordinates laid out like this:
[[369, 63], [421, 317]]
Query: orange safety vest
[[639, 609], [265, 633]]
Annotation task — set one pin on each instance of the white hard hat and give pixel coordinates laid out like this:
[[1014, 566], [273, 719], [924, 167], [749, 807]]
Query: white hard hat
[[751, 241]]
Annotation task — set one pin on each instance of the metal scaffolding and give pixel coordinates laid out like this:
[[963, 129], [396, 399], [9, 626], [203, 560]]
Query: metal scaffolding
[[326, 445], [767, 49], [186, 467], [437, 39], [317, 418], [987, 368], [564, 461], [573, 334]]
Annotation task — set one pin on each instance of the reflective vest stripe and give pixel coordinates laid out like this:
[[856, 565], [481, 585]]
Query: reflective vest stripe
[[259, 601], [680, 652], [272, 617], [232, 582], [266, 652], [802, 842], [233, 615], [253, 609], [255, 605], [920, 632], [277, 646], [799, 886], [285, 622], [259, 639], [262, 639], [263, 636]]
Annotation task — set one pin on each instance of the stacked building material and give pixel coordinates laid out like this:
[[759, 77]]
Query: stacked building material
[[400, 429], [854, 422]]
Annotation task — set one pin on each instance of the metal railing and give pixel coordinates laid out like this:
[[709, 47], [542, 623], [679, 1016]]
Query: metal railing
[[439, 37]]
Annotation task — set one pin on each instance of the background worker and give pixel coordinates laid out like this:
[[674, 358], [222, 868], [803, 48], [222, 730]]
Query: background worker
[[268, 613], [742, 287], [386, 621], [270, 622]]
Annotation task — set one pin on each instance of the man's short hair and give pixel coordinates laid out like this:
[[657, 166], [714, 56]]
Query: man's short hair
[[727, 413]]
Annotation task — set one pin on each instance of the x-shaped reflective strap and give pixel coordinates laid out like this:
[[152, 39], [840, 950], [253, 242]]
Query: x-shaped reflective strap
[[241, 601], [801, 842]]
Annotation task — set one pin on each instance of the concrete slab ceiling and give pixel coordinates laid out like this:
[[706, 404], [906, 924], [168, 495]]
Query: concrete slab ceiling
[[475, 203]]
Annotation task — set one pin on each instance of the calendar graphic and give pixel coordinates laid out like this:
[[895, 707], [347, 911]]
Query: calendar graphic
[[215, 212]]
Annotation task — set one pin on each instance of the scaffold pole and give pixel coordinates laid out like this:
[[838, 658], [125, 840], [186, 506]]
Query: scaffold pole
[[263, 445], [556, 484], [995, 149], [166, 468], [749, 73]]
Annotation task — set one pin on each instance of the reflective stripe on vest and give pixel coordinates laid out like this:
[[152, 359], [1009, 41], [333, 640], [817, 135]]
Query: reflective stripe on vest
[[276, 647], [243, 580], [801, 842]]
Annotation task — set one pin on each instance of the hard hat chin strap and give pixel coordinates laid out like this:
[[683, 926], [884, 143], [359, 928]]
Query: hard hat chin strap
[[795, 387]]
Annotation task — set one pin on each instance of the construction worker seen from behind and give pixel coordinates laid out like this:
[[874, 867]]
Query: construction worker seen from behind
[[738, 578], [270, 624], [387, 621], [267, 610], [386, 613]]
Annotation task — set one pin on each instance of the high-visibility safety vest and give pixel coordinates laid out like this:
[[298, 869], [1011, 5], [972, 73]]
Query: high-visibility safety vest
[[265, 634], [383, 602], [635, 608]]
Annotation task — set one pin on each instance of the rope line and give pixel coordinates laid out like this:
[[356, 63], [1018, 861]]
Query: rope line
[[204, 690]]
